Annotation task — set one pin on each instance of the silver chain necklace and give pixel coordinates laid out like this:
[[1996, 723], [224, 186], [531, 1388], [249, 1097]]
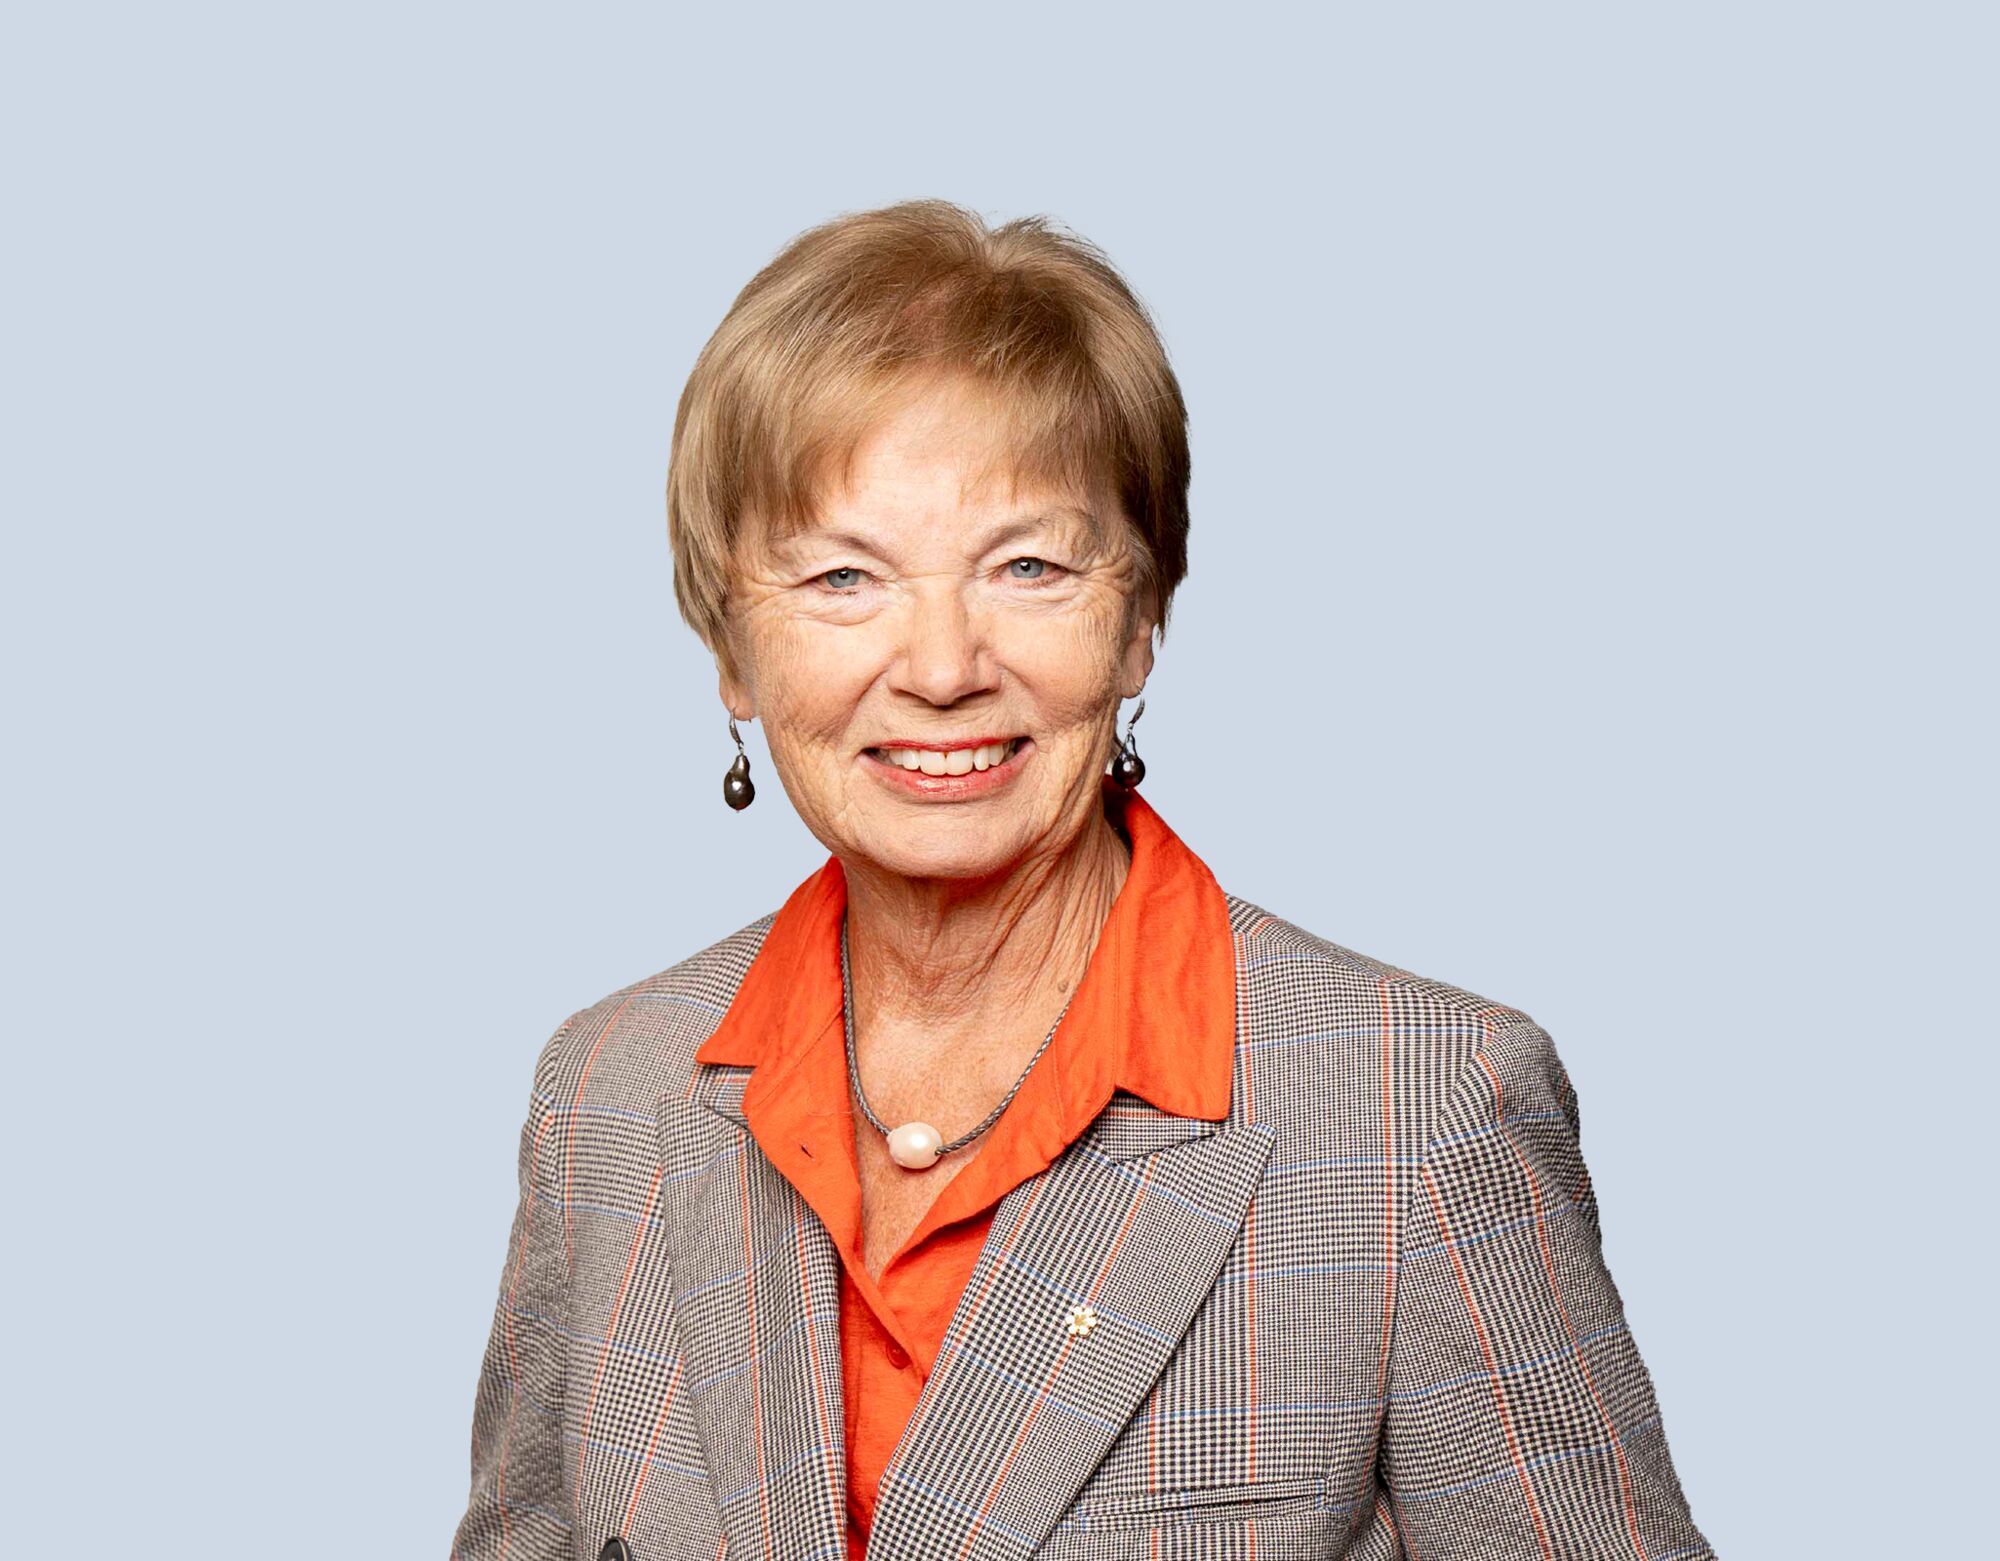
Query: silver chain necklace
[[917, 1146]]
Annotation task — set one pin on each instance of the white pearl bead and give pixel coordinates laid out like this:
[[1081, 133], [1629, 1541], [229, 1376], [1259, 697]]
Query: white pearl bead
[[915, 1145]]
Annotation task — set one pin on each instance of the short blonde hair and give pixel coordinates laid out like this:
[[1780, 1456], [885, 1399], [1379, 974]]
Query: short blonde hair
[[852, 312]]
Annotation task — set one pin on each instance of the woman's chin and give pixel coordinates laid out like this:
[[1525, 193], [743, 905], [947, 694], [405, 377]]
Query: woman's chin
[[912, 838], [964, 843]]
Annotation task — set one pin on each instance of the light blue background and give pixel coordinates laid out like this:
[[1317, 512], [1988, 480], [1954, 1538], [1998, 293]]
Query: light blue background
[[1593, 415]]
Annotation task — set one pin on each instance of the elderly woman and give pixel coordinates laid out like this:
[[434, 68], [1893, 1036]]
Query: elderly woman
[[1013, 1188]]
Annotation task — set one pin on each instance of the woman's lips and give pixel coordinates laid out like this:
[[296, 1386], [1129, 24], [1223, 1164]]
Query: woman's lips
[[892, 766], [955, 758]]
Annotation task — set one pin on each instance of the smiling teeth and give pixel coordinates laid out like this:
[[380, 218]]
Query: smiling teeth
[[956, 761]]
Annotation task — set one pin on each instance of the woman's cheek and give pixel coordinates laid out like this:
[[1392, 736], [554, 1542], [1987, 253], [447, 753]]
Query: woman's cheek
[[806, 668], [1081, 666]]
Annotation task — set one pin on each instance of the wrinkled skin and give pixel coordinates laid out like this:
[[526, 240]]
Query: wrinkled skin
[[935, 633]]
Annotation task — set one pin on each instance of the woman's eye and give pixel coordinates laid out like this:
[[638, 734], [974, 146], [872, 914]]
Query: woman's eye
[[843, 578], [1029, 568]]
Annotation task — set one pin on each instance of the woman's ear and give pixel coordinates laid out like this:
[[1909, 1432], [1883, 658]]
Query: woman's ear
[[731, 681], [735, 695], [1136, 664]]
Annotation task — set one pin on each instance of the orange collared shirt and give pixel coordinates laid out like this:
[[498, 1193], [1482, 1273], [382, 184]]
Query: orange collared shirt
[[1155, 1014]]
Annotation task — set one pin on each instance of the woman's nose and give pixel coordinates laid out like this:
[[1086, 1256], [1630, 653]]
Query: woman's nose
[[944, 650]]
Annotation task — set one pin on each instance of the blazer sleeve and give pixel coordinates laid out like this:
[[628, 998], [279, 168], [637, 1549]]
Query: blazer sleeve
[[517, 1507], [1520, 1420]]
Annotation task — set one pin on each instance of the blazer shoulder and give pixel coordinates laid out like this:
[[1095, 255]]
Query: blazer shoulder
[[635, 1044], [1280, 959], [1315, 1014]]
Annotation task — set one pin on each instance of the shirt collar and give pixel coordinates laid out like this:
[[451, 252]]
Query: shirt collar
[[1157, 1003]]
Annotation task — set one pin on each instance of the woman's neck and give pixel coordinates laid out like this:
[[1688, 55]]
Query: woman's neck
[[952, 957]]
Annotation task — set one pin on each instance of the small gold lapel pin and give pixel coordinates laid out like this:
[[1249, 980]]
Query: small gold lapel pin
[[1081, 1320]]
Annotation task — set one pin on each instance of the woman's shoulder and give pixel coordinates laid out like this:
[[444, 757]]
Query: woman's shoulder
[[634, 1044]]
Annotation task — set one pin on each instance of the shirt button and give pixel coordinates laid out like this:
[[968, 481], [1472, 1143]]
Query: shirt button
[[898, 1356]]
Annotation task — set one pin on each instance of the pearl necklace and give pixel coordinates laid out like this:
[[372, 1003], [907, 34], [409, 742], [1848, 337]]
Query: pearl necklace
[[917, 1146]]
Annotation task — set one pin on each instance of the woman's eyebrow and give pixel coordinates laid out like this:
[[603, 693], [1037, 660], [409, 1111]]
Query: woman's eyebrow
[[1000, 535], [816, 538], [1041, 520], [819, 542]]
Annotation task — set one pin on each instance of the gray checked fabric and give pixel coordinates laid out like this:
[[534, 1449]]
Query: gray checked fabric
[[1366, 1316]]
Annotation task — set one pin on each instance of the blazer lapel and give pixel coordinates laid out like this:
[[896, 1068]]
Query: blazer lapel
[[1132, 1222], [756, 1283]]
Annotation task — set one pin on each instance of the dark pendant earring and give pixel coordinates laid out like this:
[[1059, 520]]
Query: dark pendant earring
[[737, 790], [1127, 768]]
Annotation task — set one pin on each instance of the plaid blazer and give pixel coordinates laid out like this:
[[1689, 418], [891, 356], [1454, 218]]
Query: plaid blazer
[[1366, 1316]]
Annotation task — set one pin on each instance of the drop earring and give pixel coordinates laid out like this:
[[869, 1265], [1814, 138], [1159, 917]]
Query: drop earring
[[737, 789], [1127, 768]]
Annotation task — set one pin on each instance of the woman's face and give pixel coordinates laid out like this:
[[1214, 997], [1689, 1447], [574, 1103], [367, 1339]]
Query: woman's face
[[925, 613]]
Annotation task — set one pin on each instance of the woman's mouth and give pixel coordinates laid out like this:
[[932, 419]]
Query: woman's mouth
[[962, 772], [977, 758]]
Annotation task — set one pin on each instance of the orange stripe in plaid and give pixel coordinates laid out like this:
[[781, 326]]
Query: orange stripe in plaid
[[812, 1351], [652, 1446], [1492, 1364], [1386, 1513], [1402, 1530], [1562, 1306], [611, 1324]]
